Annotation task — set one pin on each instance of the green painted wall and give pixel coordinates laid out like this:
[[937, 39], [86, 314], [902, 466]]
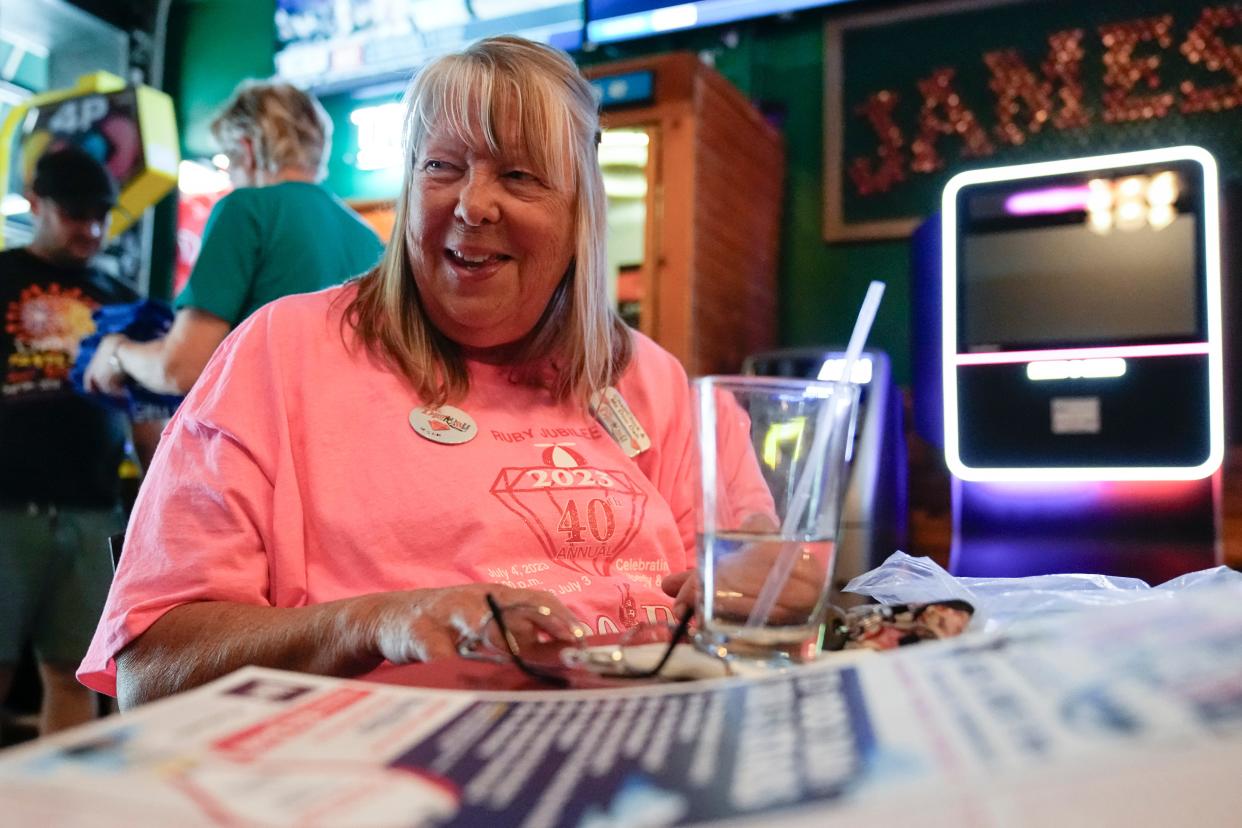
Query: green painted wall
[[213, 44]]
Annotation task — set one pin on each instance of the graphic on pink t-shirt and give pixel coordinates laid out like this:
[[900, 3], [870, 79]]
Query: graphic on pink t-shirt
[[582, 516]]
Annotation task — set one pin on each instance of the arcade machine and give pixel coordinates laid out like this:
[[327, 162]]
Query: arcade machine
[[130, 129], [1081, 359], [873, 518]]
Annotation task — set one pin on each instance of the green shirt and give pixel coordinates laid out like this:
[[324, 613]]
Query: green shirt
[[261, 243]]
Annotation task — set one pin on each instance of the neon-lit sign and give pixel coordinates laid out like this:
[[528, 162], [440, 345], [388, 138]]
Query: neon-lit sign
[[1115, 352], [1048, 200], [860, 374], [379, 135], [322, 43], [609, 22], [783, 436]]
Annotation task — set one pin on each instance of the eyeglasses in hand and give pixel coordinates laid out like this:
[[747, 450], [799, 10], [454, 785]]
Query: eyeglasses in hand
[[575, 657]]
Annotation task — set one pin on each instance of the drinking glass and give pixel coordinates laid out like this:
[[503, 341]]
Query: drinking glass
[[772, 473]]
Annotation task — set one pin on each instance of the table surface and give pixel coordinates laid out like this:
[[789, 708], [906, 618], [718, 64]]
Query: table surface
[[455, 674]]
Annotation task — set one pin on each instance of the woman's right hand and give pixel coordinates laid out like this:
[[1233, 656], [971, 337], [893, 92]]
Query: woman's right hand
[[347, 637], [426, 624]]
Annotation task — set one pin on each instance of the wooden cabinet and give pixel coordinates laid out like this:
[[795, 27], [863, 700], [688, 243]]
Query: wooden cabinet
[[380, 213], [706, 285]]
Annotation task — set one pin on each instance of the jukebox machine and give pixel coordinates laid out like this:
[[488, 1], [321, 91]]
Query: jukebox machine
[[1081, 360]]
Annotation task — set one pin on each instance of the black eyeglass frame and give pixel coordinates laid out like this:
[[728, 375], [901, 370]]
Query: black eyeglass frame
[[558, 680]]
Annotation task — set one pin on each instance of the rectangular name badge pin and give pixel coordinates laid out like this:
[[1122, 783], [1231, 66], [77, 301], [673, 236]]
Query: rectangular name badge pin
[[614, 414]]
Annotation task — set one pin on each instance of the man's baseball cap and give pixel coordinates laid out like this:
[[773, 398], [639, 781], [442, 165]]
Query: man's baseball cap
[[72, 178]]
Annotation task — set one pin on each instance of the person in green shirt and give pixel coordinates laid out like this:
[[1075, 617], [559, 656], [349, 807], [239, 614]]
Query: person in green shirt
[[279, 232]]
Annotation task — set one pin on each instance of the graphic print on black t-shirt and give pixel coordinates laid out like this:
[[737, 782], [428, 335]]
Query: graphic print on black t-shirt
[[46, 325], [56, 445], [582, 516]]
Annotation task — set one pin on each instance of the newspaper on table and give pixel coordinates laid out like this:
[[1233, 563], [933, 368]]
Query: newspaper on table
[[1119, 716]]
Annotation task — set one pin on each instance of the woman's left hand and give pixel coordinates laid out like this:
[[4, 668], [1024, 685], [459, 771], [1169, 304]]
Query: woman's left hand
[[741, 576]]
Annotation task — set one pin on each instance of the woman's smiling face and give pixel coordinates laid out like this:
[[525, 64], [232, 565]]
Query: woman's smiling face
[[489, 240]]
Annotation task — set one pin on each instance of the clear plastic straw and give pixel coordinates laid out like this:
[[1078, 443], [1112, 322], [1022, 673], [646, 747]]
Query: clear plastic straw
[[842, 393]]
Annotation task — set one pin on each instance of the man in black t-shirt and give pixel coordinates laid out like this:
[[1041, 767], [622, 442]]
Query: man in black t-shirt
[[59, 450]]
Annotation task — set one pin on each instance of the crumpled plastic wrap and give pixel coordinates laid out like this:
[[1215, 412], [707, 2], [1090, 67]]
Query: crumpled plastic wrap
[[1004, 602]]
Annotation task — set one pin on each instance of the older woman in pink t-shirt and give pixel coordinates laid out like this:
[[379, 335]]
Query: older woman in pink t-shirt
[[357, 469]]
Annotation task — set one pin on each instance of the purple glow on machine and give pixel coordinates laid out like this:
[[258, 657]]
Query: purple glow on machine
[[1048, 200], [1005, 533]]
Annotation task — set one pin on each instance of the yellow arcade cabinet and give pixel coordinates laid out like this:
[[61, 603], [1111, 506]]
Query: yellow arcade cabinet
[[131, 129]]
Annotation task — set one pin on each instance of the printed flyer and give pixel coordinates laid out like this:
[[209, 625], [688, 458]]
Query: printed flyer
[[1116, 716]]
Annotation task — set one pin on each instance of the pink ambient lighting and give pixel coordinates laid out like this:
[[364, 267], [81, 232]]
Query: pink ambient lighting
[[1048, 200], [1123, 351]]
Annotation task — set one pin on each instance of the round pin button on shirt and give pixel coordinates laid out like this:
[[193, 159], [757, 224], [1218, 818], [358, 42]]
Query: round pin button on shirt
[[447, 425]]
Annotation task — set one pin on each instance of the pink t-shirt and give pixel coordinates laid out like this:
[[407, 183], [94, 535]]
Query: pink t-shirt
[[291, 476]]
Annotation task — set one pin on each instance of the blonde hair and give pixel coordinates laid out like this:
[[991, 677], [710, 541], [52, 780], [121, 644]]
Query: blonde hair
[[504, 89], [286, 126]]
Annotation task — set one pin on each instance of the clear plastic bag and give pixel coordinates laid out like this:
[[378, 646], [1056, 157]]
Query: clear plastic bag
[[1002, 602]]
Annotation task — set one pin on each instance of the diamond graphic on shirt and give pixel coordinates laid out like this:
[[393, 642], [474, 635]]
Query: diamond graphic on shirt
[[582, 516]]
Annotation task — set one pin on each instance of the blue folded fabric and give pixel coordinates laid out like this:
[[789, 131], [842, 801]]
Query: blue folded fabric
[[141, 321]]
